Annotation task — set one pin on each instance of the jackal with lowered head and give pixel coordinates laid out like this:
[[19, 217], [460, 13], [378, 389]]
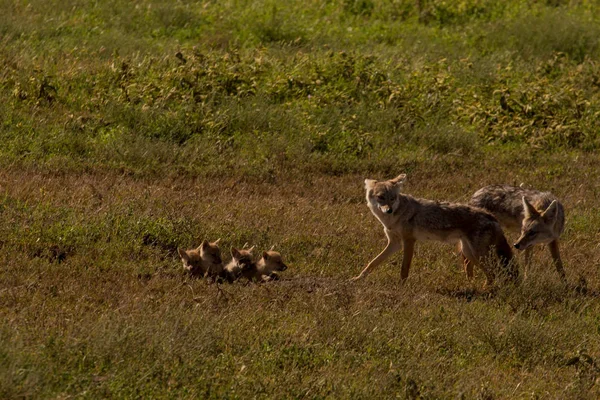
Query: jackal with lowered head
[[406, 219], [539, 216]]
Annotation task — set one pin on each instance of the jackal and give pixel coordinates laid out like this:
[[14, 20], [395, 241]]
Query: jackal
[[203, 261], [241, 264], [539, 216], [268, 266], [406, 219]]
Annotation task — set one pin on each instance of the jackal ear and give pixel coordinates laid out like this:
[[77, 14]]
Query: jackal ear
[[235, 253], [183, 254], [551, 212], [217, 241], [370, 183], [204, 244], [529, 210], [399, 179], [265, 255]]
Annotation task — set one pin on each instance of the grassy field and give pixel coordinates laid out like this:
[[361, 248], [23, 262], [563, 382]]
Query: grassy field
[[129, 128]]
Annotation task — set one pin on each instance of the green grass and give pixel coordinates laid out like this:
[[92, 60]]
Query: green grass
[[129, 129]]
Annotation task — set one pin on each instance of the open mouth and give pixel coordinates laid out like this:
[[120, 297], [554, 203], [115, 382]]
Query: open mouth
[[386, 209]]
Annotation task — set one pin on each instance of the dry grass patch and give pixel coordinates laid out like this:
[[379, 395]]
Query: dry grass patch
[[115, 316]]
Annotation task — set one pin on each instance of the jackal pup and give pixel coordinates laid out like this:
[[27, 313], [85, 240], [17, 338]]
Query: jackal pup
[[203, 261], [241, 264], [406, 219], [539, 216], [268, 267]]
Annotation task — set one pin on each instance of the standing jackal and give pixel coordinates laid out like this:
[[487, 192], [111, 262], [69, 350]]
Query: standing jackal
[[539, 216], [406, 219]]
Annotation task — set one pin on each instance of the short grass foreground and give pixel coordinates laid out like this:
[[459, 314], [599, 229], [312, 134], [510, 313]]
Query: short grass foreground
[[95, 302], [128, 129]]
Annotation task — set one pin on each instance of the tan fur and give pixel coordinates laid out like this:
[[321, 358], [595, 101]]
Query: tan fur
[[268, 266], [241, 264], [203, 261], [406, 219], [539, 217]]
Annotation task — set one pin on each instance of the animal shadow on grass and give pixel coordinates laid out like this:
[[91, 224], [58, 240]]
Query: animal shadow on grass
[[309, 283], [467, 294], [534, 294]]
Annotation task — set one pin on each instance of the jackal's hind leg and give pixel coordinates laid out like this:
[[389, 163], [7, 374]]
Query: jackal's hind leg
[[476, 259], [467, 265]]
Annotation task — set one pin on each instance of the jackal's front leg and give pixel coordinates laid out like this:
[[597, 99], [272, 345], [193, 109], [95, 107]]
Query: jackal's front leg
[[392, 247], [528, 257], [409, 247], [557, 261]]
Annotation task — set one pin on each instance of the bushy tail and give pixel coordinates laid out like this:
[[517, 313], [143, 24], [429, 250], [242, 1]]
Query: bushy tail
[[505, 255]]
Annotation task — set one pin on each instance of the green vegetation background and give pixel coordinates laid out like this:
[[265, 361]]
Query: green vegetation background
[[251, 87]]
